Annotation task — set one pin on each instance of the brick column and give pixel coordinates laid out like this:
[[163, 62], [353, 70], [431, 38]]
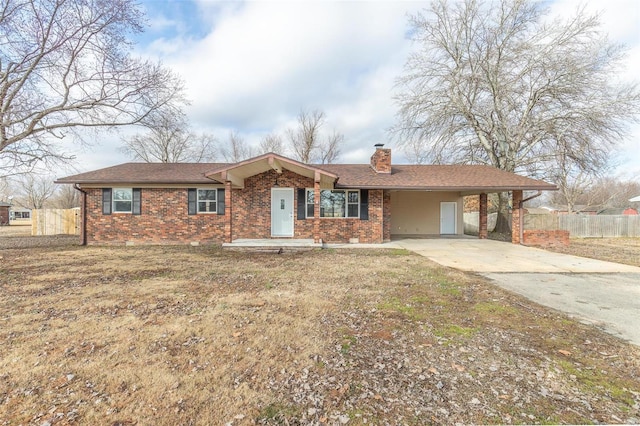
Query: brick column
[[483, 232], [516, 198], [316, 212], [228, 213], [386, 215]]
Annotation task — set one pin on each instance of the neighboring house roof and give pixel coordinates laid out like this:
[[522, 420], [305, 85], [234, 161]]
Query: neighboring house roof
[[465, 178], [578, 208], [635, 199], [537, 210], [618, 211], [3, 204]]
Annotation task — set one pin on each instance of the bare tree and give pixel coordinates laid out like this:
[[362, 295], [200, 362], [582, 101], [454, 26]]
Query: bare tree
[[272, 143], [65, 197], [329, 148], [614, 192], [35, 190], [493, 83], [307, 143], [66, 65], [6, 190], [168, 140], [236, 149]]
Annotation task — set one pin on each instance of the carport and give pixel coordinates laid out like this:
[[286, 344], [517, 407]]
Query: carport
[[429, 213], [426, 200]]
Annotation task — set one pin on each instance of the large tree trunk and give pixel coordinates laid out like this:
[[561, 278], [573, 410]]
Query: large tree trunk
[[502, 221]]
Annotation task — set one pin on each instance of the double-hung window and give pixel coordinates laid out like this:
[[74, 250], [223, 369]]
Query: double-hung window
[[207, 200], [122, 200]]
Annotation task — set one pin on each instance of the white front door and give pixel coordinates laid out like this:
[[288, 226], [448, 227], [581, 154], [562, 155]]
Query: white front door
[[282, 212], [448, 217]]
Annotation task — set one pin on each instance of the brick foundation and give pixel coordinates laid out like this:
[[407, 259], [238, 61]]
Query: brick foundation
[[540, 238]]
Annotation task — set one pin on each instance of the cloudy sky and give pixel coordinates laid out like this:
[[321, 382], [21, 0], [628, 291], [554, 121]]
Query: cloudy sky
[[252, 66]]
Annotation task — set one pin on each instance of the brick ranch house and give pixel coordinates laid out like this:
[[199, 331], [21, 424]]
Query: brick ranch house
[[271, 196]]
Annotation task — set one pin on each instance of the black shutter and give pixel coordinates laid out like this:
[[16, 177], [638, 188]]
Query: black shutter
[[302, 203], [220, 200], [106, 200], [192, 200], [137, 201], [364, 204]]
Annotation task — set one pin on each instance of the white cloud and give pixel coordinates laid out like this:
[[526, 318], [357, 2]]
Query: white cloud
[[251, 66], [265, 61]]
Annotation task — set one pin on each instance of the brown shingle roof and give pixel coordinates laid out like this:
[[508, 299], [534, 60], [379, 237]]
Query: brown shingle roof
[[433, 177], [149, 173], [423, 177]]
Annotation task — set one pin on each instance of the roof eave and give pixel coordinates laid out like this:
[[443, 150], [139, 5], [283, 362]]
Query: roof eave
[[137, 182], [450, 188]]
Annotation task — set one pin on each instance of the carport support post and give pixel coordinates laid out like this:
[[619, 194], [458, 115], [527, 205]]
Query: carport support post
[[516, 212], [316, 209], [228, 216], [483, 232]]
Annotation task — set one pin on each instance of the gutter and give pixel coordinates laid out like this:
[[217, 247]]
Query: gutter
[[521, 216], [83, 223]]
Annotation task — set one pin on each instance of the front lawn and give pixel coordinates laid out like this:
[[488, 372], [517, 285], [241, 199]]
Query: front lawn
[[619, 250], [197, 335]]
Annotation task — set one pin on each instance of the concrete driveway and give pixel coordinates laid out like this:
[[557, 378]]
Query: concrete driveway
[[604, 294]]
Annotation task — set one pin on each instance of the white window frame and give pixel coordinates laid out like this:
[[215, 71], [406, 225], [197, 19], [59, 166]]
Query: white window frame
[[114, 191], [310, 191], [209, 202], [346, 203]]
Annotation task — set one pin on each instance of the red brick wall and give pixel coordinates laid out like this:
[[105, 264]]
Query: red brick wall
[[163, 219], [339, 230], [483, 231], [252, 205], [252, 217], [539, 238], [386, 213], [516, 198]]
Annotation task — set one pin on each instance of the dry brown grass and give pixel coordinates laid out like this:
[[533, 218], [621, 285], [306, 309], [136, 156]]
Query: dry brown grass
[[196, 335], [620, 250]]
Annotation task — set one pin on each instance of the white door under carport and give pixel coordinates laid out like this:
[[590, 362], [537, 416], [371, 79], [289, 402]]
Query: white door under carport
[[448, 216], [417, 213]]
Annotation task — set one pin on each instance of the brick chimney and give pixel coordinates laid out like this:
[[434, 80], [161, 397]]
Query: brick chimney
[[381, 159]]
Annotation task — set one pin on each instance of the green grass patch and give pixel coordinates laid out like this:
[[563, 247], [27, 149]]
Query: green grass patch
[[494, 308], [277, 412], [454, 330], [449, 288], [413, 307], [592, 380], [399, 252]]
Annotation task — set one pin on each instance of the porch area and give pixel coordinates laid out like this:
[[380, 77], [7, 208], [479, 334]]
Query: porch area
[[269, 245]]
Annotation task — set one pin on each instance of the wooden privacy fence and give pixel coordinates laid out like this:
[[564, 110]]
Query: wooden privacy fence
[[55, 221], [586, 226]]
